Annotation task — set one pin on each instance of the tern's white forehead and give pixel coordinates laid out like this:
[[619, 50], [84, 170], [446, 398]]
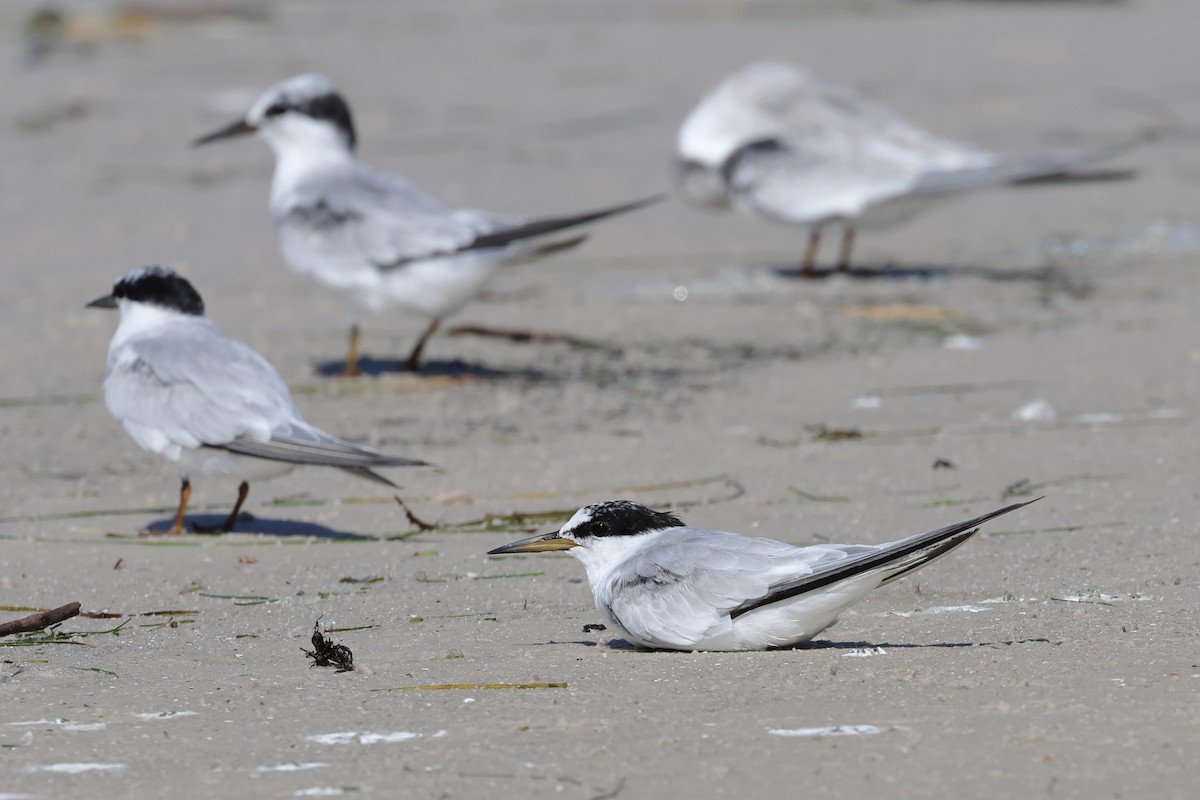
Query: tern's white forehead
[[580, 517], [294, 91], [747, 106]]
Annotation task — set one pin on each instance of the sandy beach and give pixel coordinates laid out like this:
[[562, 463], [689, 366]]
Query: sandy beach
[[1055, 655]]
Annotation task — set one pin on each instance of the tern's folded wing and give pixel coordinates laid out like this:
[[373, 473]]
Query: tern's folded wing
[[298, 444], [805, 186], [892, 561], [364, 219], [190, 386], [1065, 167], [497, 231]]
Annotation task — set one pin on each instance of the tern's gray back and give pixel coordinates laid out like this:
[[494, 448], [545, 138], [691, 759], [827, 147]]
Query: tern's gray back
[[838, 120]]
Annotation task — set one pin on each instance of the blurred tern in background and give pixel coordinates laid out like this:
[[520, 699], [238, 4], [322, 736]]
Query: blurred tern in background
[[188, 392], [674, 587], [776, 141], [377, 237]]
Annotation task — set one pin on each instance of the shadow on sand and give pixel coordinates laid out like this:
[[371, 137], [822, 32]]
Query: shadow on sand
[[622, 644], [456, 369], [209, 524], [828, 645]]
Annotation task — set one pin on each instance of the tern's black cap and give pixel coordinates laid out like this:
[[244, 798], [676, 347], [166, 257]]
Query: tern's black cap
[[159, 286], [329, 106], [620, 518]]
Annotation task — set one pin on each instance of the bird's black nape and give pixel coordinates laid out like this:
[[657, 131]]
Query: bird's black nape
[[159, 286], [620, 518], [330, 106]]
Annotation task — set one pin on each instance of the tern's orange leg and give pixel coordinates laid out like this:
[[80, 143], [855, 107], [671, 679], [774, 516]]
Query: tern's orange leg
[[808, 266], [351, 368], [847, 246], [185, 493], [413, 364], [243, 490]]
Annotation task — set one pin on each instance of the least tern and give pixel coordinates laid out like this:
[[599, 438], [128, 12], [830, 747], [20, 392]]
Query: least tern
[[674, 587], [188, 392], [377, 237], [775, 141]]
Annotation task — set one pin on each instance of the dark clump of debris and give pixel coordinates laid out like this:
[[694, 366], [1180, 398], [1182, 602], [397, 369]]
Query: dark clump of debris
[[327, 654], [823, 433], [592, 627]]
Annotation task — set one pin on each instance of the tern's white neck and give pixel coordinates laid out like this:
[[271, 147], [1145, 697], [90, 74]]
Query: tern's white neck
[[600, 555], [304, 147], [145, 319]]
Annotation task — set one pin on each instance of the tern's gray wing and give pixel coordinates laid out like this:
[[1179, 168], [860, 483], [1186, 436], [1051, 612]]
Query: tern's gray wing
[[814, 183], [1016, 169], [681, 589], [361, 217], [498, 230], [297, 442], [521, 237], [892, 561], [191, 386]]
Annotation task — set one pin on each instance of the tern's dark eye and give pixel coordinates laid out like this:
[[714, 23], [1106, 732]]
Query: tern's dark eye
[[275, 109]]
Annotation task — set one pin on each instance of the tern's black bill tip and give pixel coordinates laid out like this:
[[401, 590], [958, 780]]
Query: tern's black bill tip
[[107, 301], [239, 128]]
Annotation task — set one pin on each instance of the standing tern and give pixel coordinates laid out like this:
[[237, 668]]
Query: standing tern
[[188, 392], [674, 587], [378, 237], [776, 141]]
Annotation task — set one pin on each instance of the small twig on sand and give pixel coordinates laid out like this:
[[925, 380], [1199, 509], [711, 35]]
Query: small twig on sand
[[413, 519], [40, 620], [525, 336]]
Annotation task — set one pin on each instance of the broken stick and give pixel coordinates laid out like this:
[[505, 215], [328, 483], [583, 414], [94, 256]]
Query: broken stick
[[40, 620]]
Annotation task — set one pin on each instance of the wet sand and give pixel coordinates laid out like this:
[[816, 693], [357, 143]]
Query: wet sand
[[1054, 655]]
